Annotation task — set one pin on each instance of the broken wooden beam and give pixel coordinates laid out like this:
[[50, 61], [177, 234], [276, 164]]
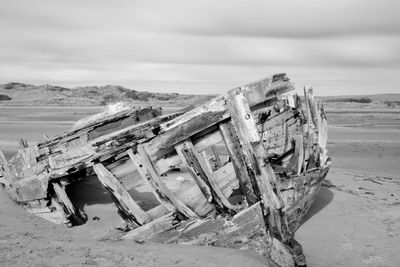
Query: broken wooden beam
[[201, 173], [233, 145], [71, 212], [131, 211], [159, 189], [153, 228]]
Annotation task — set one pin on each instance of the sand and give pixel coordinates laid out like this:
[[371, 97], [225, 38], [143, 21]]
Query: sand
[[355, 220]]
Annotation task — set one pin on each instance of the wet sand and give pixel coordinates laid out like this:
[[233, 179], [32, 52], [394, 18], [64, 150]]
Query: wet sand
[[355, 220]]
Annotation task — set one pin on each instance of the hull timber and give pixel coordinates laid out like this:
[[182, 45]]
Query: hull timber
[[240, 171]]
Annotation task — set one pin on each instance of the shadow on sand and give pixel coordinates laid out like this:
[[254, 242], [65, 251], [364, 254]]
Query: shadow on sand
[[90, 191], [325, 196]]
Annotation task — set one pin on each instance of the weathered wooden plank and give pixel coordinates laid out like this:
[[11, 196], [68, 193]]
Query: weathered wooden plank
[[163, 165], [112, 144], [300, 192], [298, 155], [203, 185], [246, 129], [70, 210], [216, 156], [186, 190], [30, 189], [127, 205], [153, 228], [162, 193], [211, 113], [157, 212], [320, 123], [4, 169], [232, 143], [84, 128], [70, 157], [203, 176], [281, 254], [206, 160], [226, 179], [272, 202], [278, 130], [275, 122], [244, 231]]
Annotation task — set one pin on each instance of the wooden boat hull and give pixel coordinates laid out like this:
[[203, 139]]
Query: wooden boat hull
[[240, 171]]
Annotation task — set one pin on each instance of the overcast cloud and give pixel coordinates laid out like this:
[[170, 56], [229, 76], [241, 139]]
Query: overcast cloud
[[341, 47]]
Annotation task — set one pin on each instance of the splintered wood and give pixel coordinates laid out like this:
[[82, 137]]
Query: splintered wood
[[240, 171]]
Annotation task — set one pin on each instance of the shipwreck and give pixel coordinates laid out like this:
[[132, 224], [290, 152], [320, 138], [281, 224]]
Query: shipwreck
[[240, 171]]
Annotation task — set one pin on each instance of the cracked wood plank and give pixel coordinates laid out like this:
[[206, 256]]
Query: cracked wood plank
[[272, 202], [125, 203], [232, 144], [203, 176], [161, 192], [72, 214]]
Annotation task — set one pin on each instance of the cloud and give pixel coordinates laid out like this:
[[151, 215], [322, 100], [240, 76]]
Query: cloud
[[285, 18], [187, 45]]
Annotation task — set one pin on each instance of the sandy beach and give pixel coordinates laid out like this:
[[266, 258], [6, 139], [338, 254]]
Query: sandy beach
[[355, 220]]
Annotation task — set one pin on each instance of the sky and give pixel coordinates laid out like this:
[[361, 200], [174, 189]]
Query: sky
[[203, 47]]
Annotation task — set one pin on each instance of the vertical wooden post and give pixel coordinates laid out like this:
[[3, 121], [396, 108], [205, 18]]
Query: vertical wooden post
[[320, 123], [246, 129], [272, 203], [202, 175], [235, 151], [146, 170], [4, 169], [216, 155], [298, 155], [127, 207]]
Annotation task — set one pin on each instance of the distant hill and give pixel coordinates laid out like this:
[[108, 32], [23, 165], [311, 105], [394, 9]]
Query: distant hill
[[376, 97], [28, 94], [33, 95]]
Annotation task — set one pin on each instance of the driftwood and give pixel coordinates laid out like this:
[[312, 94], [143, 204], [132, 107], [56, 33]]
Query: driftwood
[[239, 171]]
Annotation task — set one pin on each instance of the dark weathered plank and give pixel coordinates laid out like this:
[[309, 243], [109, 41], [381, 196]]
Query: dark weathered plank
[[4, 169], [70, 210], [298, 155], [126, 204], [235, 151], [161, 192], [249, 136], [216, 156]]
